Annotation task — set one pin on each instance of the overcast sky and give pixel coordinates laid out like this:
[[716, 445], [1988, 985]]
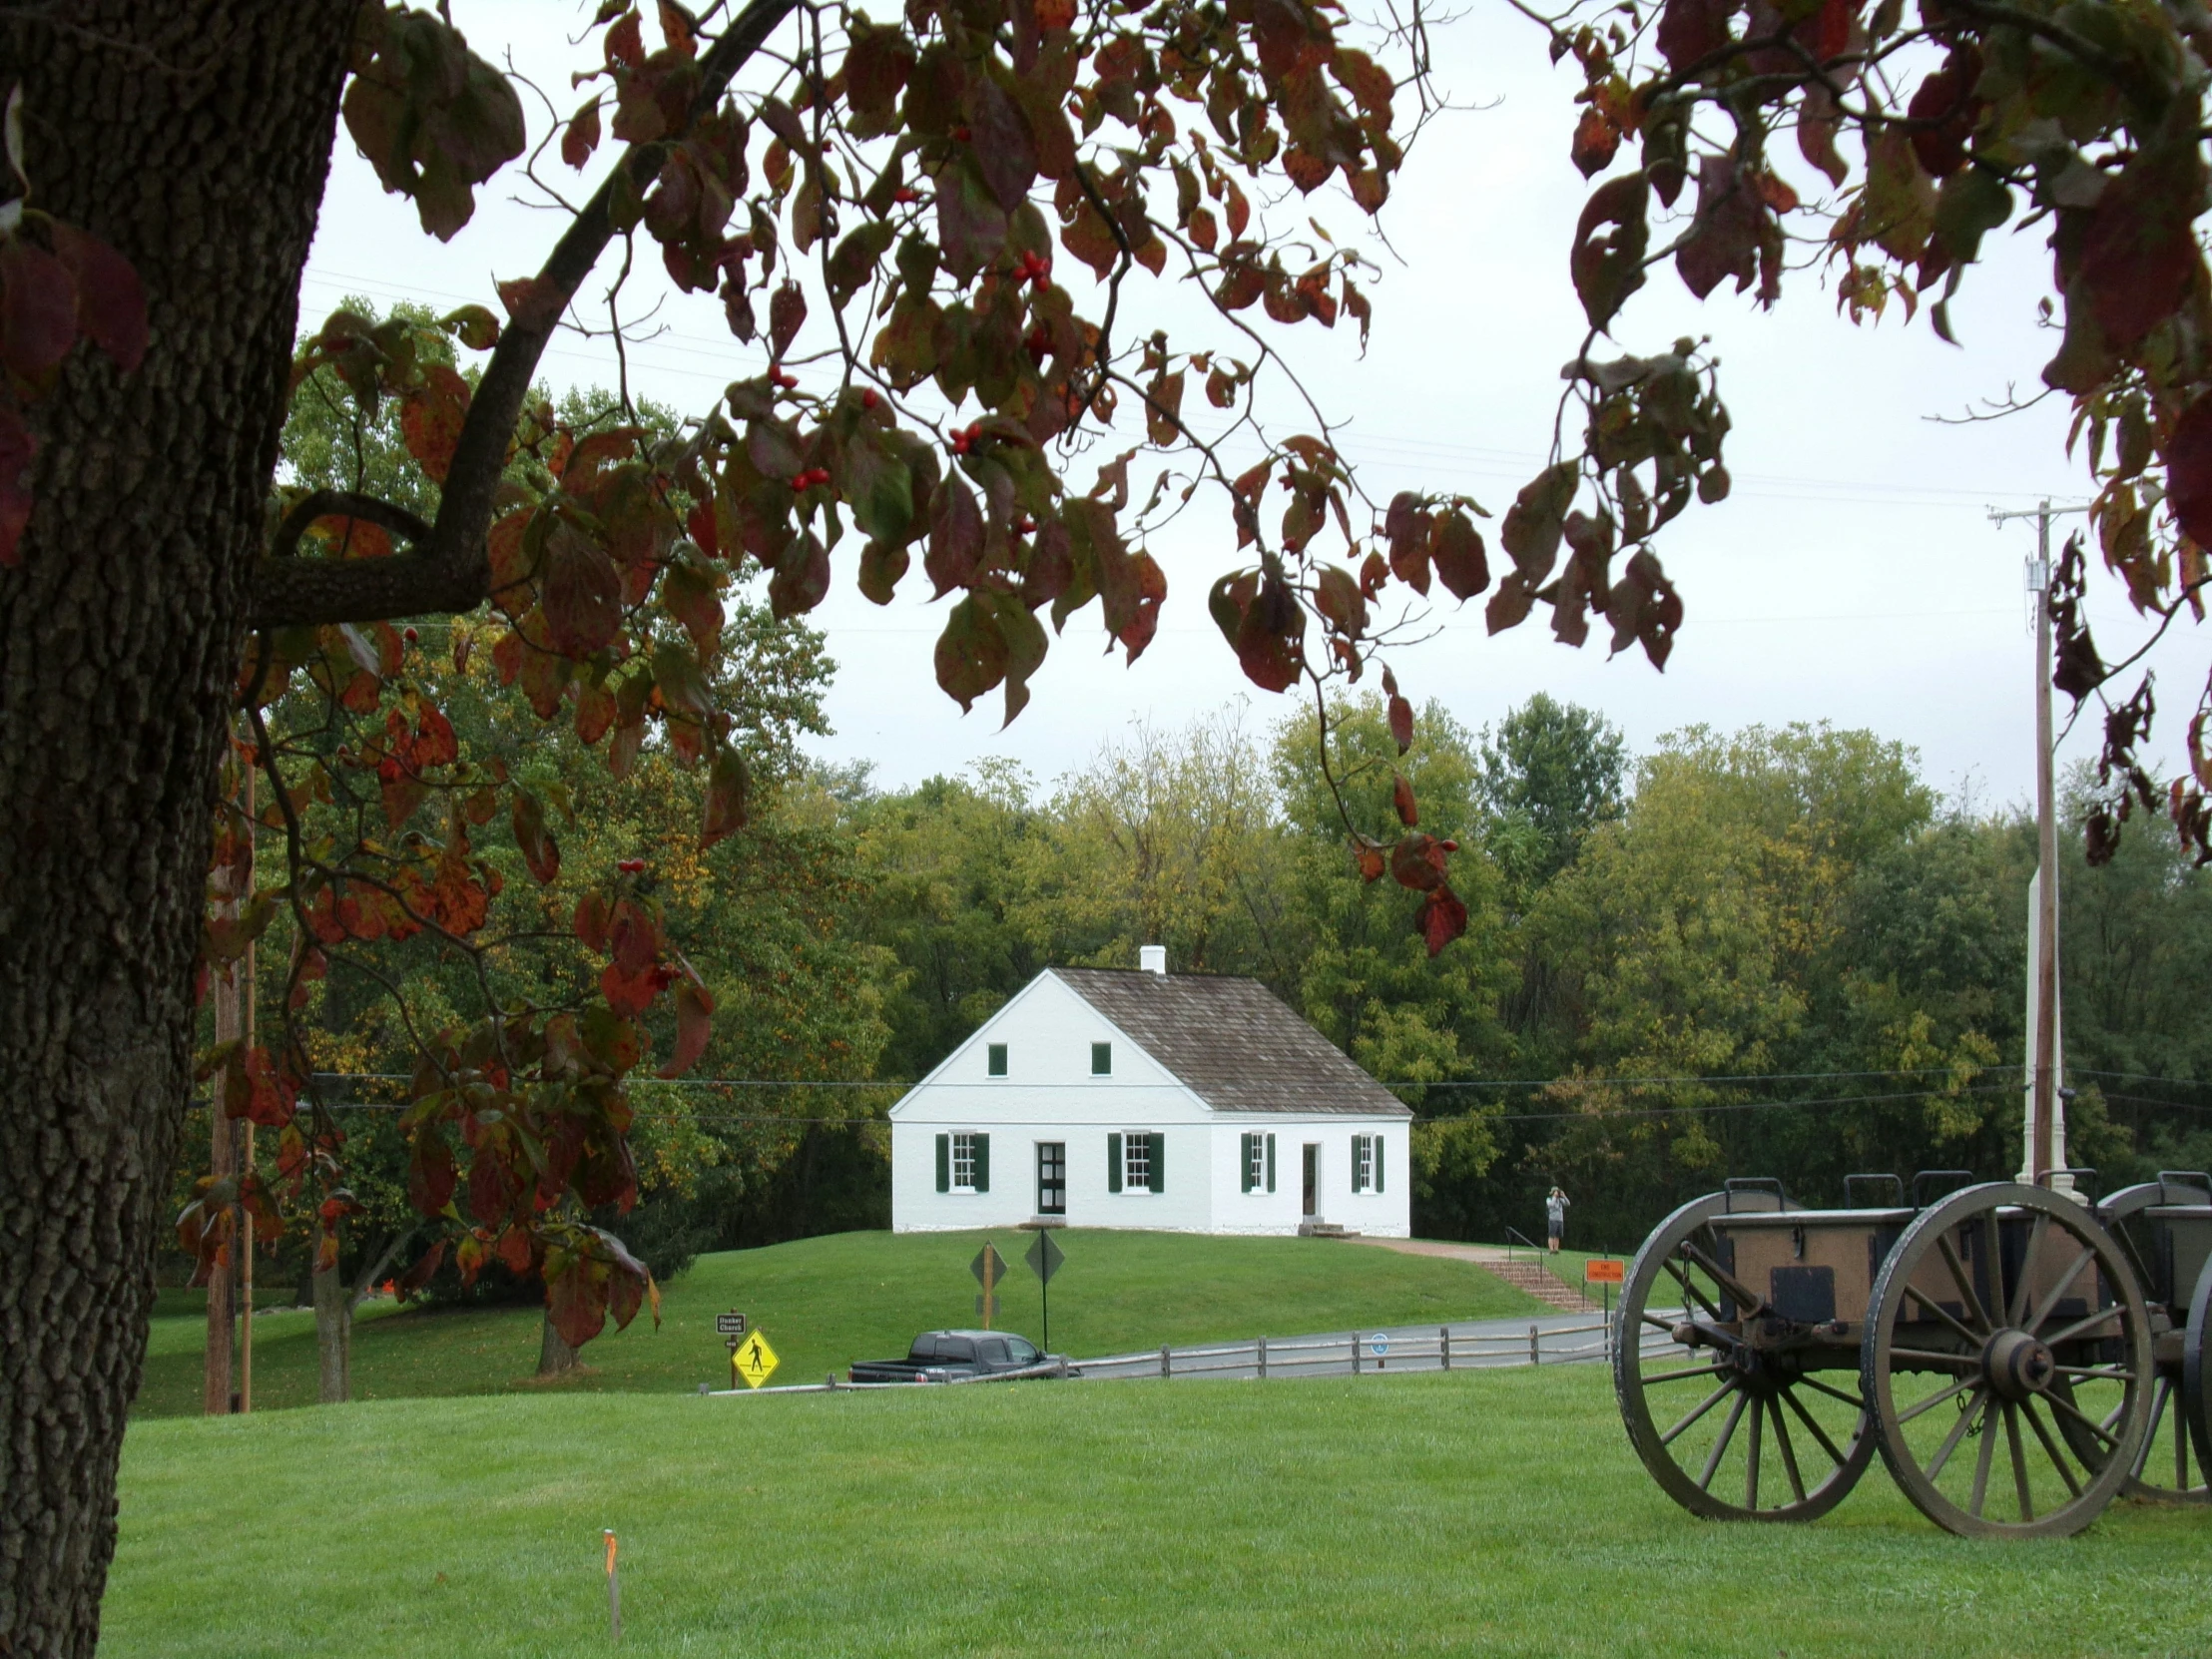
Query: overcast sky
[[1852, 576]]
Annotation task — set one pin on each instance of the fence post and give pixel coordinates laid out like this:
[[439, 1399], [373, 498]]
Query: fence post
[[1167, 1367], [1534, 1357], [1262, 1358], [1356, 1354], [1443, 1336]]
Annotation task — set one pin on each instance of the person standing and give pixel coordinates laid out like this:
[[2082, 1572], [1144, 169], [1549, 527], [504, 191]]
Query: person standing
[[1555, 1218]]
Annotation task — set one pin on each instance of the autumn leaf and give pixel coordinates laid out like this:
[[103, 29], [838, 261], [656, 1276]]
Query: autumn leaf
[[695, 1008]]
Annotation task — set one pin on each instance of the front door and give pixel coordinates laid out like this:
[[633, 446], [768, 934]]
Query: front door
[[1312, 1181], [1052, 1178]]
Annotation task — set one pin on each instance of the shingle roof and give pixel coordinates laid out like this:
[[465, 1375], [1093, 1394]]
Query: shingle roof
[[1233, 1042]]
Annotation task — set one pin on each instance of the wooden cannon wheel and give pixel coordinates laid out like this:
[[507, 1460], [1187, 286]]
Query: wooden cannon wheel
[[1727, 1429], [2196, 1370], [2169, 1468], [2004, 1317]]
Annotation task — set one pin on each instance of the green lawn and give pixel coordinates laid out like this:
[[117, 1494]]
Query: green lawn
[[1495, 1512], [824, 1303]]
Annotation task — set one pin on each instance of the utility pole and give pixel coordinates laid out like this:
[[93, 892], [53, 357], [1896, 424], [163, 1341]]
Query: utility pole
[[2045, 1121]]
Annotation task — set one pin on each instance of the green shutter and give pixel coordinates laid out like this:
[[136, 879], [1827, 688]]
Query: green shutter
[[944, 1163], [1357, 1185], [1244, 1162], [1379, 1163], [1270, 1163], [1159, 1145], [982, 1163], [1113, 1163]]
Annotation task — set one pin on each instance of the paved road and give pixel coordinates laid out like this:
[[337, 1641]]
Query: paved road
[[1559, 1338]]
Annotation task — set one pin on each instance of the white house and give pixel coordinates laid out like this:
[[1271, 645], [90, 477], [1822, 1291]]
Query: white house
[[1185, 1102]]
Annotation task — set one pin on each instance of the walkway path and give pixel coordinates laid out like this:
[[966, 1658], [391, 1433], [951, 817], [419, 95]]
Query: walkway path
[[1514, 1267]]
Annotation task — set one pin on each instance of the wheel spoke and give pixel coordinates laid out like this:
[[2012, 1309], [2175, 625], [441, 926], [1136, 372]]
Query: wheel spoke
[[1966, 1285], [1957, 1387], [2083, 1325], [2065, 1284], [1720, 1446], [1982, 1462], [2096, 1374], [1970, 1411], [2019, 1462], [1678, 1376], [1746, 1302], [1691, 1290], [1943, 1314], [2066, 1407], [1657, 1323], [2027, 1268], [2050, 1449], [1788, 1453], [1712, 1399], [1751, 1464], [1828, 1446], [1934, 1355], [1817, 1386], [2157, 1416]]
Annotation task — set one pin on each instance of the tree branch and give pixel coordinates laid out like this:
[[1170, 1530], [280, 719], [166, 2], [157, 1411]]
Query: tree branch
[[451, 571]]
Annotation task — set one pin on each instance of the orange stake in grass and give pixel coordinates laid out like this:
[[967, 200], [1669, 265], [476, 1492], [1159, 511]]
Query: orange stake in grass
[[613, 1589]]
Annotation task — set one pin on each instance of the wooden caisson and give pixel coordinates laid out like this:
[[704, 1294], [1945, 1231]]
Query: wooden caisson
[[2017, 1356]]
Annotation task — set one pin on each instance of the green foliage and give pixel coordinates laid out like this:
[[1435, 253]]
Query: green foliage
[[1551, 773]]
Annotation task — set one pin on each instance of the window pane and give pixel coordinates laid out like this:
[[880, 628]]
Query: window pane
[[998, 1059], [963, 1162], [955, 1348], [1024, 1353], [1102, 1059], [1136, 1162]]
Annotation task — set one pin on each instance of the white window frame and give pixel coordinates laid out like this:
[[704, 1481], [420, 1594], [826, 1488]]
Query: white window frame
[[963, 1160], [1256, 1163], [1363, 1163], [1136, 1160]]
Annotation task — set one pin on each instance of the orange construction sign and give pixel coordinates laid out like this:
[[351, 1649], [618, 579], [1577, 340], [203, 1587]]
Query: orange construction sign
[[1595, 1271]]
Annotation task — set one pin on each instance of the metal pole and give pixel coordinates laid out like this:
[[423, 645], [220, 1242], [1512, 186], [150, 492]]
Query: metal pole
[[1443, 1338], [2046, 889], [1262, 1358], [1167, 1367], [1534, 1357], [1356, 1354]]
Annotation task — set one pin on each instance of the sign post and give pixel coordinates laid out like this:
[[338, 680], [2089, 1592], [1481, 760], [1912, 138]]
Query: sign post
[[989, 1268], [731, 1327], [1045, 1259], [1606, 1273], [613, 1589]]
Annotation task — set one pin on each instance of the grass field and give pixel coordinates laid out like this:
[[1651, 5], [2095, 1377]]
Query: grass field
[[854, 1296], [1493, 1512]]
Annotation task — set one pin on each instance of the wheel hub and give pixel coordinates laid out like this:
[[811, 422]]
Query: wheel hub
[[2018, 1365]]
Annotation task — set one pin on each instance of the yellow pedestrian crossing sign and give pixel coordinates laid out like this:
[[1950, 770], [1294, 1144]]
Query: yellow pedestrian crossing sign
[[752, 1359]]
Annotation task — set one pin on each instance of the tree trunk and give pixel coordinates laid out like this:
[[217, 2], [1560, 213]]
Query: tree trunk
[[333, 1321], [555, 1357], [194, 136]]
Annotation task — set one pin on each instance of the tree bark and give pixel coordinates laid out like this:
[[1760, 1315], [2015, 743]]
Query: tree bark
[[194, 136], [334, 1322], [555, 1357]]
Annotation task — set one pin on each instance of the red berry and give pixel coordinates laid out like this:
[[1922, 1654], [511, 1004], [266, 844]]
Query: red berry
[[410, 636], [959, 135], [869, 399], [783, 379], [905, 192]]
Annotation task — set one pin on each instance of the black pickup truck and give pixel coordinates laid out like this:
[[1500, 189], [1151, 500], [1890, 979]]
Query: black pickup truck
[[942, 1355]]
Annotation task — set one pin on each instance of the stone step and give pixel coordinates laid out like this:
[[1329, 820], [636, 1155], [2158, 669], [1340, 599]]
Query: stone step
[[1324, 1230], [1541, 1283]]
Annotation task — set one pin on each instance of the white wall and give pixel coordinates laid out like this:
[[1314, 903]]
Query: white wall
[[1049, 1094]]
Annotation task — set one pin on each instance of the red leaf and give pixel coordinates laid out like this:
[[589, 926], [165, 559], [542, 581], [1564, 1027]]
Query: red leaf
[[492, 1185], [593, 922], [581, 593], [2190, 471], [38, 310], [1443, 918], [628, 994], [576, 1301], [582, 135], [635, 937], [2140, 256], [1005, 154], [1689, 29], [1417, 862], [695, 1010], [539, 851], [111, 301], [1597, 138], [17, 448], [425, 1265], [1370, 858], [1401, 800], [1401, 726], [430, 1173], [971, 653], [726, 784], [432, 418], [956, 536], [1456, 547]]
